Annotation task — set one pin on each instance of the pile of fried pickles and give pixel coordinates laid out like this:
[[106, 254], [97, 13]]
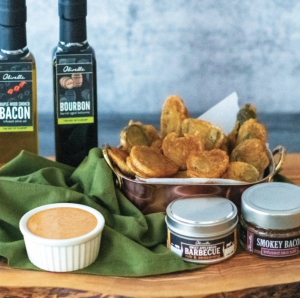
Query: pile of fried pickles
[[192, 148]]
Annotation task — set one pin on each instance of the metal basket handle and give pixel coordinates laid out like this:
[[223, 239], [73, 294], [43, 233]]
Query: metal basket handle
[[282, 155], [108, 161]]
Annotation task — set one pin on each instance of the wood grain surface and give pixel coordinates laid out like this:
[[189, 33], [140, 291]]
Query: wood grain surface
[[243, 275]]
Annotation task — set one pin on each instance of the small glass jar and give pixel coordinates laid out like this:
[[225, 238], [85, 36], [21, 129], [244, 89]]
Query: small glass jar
[[202, 230], [270, 220]]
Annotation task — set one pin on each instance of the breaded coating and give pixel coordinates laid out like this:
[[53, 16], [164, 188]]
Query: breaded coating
[[118, 157], [252, 151], [135, 169], [149, 163], [213, 136], [180, 174], [178, 148], [150, 131], [133, 135], [245, 113], [138, 134], [251, 129], [207, 164], [172, 114], [241, 171], [157, 145]]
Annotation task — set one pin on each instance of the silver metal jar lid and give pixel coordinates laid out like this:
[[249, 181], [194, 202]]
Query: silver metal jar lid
[[273, 205], [201, 217]]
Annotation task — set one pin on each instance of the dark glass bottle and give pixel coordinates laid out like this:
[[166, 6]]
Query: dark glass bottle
[[18, 93], [75, 86]]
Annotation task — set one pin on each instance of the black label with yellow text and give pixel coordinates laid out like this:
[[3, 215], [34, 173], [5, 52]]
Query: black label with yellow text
[[74, 81]]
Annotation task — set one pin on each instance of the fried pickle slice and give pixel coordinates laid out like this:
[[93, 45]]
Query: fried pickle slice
[[149, 163], [135, 169], [213, 136], [138, 134], [157, 145], [241, 171], [252, 151], [244, 114], [251, 129], [173, 113], [118, 157], [178, 148], [207, 164]]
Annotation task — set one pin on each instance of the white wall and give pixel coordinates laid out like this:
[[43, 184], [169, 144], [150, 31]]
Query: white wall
[[200, 49]]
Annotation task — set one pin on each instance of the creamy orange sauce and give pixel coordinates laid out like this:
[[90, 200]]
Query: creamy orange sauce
[[61, 223]]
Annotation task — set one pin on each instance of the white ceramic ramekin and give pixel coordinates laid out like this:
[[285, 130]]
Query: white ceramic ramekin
[[62, 255]]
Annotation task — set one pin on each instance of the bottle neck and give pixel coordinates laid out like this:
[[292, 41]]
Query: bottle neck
[[13, 38], [72, 31]]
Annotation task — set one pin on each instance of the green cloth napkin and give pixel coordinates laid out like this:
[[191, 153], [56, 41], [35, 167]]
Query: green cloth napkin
[[132, 244]]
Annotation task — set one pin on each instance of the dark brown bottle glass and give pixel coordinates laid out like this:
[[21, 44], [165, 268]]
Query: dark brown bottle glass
[[75, 87], [18, 93]]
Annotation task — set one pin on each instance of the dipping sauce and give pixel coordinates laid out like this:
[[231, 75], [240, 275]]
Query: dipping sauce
[[202, 230], [270, 221], [61, 223]]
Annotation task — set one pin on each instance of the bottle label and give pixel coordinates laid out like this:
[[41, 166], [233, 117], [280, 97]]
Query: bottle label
[[16, 97], [202, 251], [74, 81], [269, 246]]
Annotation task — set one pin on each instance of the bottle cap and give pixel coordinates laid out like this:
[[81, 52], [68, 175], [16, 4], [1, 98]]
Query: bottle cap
[[203, 216], [12, 12], [72, 9], [273, 205]]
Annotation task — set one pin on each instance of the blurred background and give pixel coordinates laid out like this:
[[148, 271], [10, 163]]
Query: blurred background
[[201, 50]]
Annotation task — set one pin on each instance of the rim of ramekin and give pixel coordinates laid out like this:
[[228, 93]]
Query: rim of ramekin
[[62, 242]]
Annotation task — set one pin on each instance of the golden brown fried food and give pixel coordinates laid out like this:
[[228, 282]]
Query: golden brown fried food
[[172, 114], [178, 148], [135, 169], [133, 135], [213, 136], [180, 174], [251, 129], [241, 171], [118, 157], [138, 134], [149, 163], [157, 145], [150, 131], [207, 164], [244, 114], [252, 151]]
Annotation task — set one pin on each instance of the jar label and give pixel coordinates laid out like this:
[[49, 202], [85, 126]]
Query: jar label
[[203, 250], [16, 97], [74, 88], [267, 246]]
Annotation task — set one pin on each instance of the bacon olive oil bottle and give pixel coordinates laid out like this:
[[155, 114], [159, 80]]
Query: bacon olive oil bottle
[[75, 90], [18, 96]]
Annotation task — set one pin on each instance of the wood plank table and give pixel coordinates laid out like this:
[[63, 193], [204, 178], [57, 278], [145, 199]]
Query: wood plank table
[[241, 276]]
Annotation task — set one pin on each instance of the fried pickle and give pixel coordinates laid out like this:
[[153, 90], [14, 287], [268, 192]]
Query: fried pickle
[[207, 164], [118, 157], [241, 171], [213, 136], [149, 163], [138, 134], [252, 151], [178, 148], [251, 129], [244, 114], [172, 114], [157, 145]]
